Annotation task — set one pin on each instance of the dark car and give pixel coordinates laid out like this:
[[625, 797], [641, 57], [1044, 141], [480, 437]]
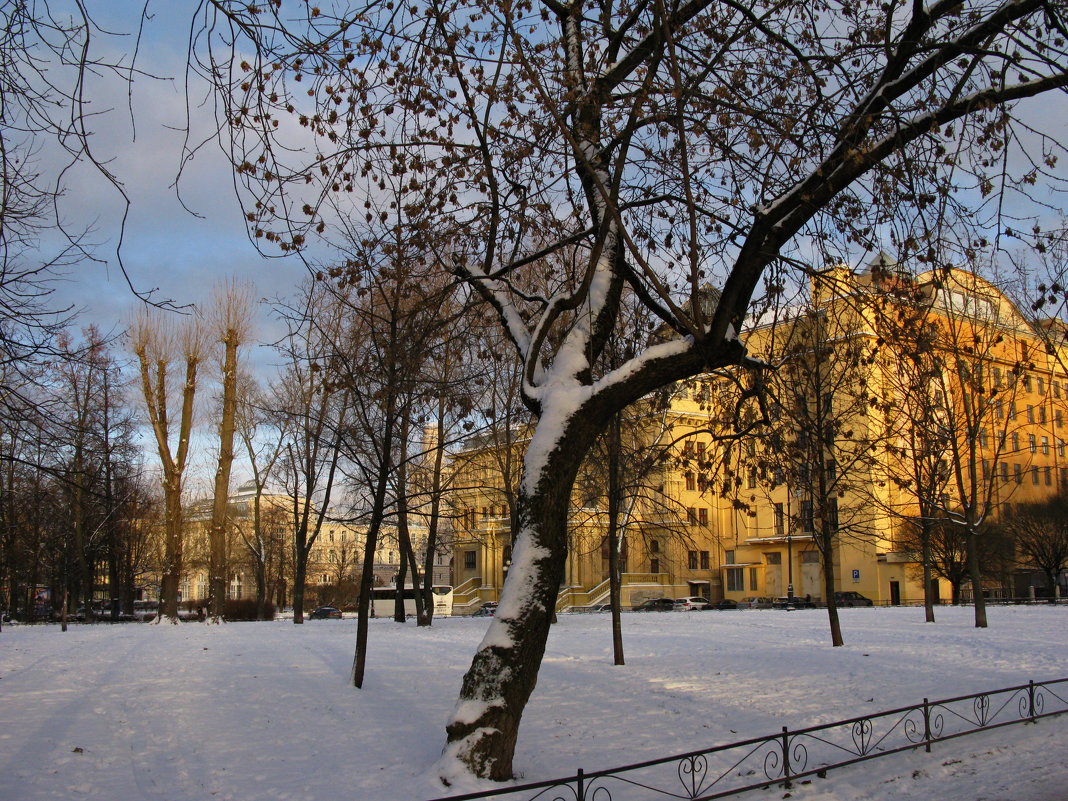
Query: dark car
[[851, 598], [488, 609], [655, 605], [797, 602], [725, 604], [326, 612]]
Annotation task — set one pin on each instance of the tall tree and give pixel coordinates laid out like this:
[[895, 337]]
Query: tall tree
[[1040, 534], [670, 145], [228, 319], [312, 407], [162, 348]]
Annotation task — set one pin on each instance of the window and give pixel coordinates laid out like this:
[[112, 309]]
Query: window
[[691, 516], [735, 579], [1034, 474], [1048, 475], [807, 524], [832, 513], [691, 482], [1064, 476], [1058, 418], [1060, 448], [729, 557], [469, 560], [701, 452], [654, 546], [998, 413], [330, 534], [705, 562], [1032, 443], [1004, 471], [654, 565], [754, 576], [1057, 390], [1030, 413], [832, 470], [997, 376], [1012, 410], [982, 437], [1015, 442], [691, 560], [1027, 383], [751, 478], [702, 517], [1041, 385], [1042, 414], [1017, 473], [779, 520], [1045, 446], [773, 558]]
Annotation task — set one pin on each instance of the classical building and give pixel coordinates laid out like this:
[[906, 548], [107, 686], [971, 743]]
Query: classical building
[[894, 411]]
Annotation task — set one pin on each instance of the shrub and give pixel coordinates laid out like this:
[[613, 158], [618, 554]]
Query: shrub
[[245, 609]]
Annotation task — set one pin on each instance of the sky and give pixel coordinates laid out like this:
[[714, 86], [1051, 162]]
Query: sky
[[181, 237], [265, 711]]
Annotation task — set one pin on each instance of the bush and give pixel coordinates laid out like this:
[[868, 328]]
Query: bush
[[245, 609]]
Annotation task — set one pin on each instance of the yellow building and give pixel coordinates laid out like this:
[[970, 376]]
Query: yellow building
[[884, 397], [935, 393]]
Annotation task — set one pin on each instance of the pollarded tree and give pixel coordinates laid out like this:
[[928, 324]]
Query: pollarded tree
[[162, 349], [670, 145], [228, 322]]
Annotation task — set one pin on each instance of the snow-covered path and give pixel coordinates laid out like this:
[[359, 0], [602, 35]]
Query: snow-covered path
[[263, 712]]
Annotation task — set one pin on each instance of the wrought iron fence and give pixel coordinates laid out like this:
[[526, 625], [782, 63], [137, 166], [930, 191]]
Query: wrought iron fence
[[782, 758]]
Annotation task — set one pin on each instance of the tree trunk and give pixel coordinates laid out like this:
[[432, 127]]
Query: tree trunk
[[928, 600], [975, 576], [485, 723], [828, 588], [172, 558], [300, 571], [614, 493]]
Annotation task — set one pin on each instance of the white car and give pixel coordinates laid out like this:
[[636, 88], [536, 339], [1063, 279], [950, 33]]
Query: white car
[[692, 602]]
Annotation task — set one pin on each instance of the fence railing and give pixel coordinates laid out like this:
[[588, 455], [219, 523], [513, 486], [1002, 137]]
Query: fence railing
[[779, 759]]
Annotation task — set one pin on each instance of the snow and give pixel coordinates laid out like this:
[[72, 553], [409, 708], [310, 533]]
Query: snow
[[265, 712]]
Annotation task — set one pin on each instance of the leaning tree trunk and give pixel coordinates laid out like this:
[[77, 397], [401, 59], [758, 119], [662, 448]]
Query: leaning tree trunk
[[614, 578], [974, 575], [485, 723]]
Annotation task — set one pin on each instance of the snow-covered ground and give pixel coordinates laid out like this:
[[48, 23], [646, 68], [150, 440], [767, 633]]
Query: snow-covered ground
[[264, 712]]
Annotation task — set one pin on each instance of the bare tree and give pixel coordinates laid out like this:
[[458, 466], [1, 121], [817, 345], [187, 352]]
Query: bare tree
[[1040, 534], [228, 319], [163, 348], [669, 145], [312, 407]]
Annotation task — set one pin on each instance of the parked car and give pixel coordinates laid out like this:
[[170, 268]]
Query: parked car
[[601, 608], [692, 602], [326, 613], [797, 602], [725, 604], [755, 602], [851, 598], [488, 609], [655, 605]]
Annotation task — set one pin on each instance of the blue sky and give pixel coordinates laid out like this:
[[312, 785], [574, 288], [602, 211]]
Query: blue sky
[[181, 252]]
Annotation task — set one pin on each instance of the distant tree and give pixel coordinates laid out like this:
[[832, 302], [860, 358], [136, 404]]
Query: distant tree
[[162, 349], [227, 322], [312, 407], [821, 438], [1040, 534]]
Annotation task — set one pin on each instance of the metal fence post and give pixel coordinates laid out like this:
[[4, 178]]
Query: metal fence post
[[926, 726], [786, 758], [1031, 699], [580, 783]]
